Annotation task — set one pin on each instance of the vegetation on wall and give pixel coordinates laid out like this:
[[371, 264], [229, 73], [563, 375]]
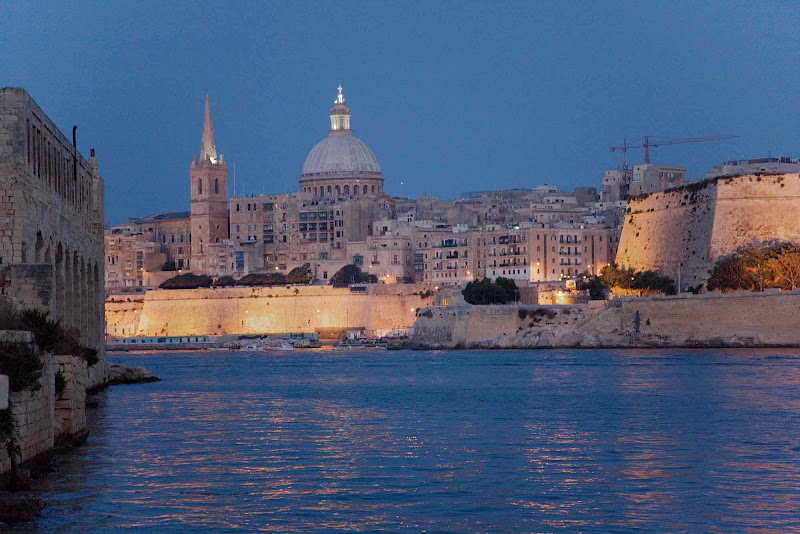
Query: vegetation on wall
[[48, 334], [22, 363], [615, 276], [262, 279], [755, 268], [299, 275], [501, 291], [187, 281], [224, 281], [351, 274], [594, 284]]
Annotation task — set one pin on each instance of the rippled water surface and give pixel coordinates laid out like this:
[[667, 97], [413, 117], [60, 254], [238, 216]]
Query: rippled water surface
[[441, 441]]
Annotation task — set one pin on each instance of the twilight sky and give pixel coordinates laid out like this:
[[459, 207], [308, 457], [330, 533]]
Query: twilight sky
[[451, 97]]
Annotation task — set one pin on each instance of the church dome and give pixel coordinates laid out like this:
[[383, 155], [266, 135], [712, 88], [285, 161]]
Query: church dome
[[341, 164], [340, 152]]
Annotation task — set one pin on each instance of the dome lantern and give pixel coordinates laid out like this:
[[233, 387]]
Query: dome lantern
[[340, 113]]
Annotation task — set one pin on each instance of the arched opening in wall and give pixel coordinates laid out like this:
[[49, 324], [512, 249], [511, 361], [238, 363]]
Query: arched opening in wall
[[338, 191], [48, 255], [39, 246], [85, 309], [24, 258], [216, 240], [315, 190], [355, 189], [216, 186], [200, 186], [69, 281], [58, 284], [77, 291], [329, 190], [373, 188], [365, 190], [347, 190], [98, 309]]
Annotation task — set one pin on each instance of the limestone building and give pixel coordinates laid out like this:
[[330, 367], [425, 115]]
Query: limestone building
[[51, 219]]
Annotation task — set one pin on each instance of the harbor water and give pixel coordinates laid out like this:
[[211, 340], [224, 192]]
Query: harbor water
[[453, 441]]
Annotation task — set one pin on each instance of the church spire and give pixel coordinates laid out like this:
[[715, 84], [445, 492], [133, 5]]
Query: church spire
[[340, 113], [208, 151]]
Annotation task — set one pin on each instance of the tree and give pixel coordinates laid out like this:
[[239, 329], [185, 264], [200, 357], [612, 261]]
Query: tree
[[481, 292], [614, 276], [169, 266], [351, 274], [187, 281], [787, 266], [224, 281], [299, 275], [262, 279]]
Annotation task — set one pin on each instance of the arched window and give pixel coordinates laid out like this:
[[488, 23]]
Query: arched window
[[373, 188], [365, 190], [315, 190], [329, 190], [200, 186], [216, 186], [338, 191], [347, 190]]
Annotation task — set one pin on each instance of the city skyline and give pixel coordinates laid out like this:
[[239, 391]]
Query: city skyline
[[448, 104]]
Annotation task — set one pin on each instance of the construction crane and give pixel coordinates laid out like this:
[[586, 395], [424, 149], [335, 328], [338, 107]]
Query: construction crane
[[647, 144]]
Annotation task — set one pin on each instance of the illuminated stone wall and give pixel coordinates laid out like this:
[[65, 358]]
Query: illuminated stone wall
[[691, 227], [713, 319], [263, 310]]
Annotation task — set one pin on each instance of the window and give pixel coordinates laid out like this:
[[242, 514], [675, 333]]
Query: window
[[216, 185], [200, 187]]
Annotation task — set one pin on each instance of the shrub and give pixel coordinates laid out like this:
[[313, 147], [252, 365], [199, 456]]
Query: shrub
[[614, 276], [299, 275], [224, 281], [262, 279], [351, 274], [481, 292], [187, 281], [22, 363]]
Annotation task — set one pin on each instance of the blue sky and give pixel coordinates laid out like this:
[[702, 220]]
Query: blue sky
[[451, 97]]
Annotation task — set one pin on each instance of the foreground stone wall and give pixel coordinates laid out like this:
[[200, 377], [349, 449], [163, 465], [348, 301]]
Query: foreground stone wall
[[689, 228], [262, 310], [34, 416], [714, 319]]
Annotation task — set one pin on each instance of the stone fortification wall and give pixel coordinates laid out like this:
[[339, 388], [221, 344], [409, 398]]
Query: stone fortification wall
[[713, 319], [264, 310], [689, 228], [41, 417], [122, 314], [34, 417]]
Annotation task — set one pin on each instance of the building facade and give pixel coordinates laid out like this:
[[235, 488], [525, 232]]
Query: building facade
[[51, 219]]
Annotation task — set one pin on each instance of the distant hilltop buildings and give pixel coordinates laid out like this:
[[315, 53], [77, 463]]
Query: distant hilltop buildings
[[341, 215]]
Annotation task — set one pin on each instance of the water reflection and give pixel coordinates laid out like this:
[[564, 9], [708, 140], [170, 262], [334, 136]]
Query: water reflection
[[486, 441]]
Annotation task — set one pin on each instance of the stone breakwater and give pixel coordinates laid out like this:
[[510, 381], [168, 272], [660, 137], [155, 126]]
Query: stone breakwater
[[714, 320]]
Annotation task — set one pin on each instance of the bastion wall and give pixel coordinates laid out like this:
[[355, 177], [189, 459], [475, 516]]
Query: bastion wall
[[690, 227], [261, 310], [713, 319]]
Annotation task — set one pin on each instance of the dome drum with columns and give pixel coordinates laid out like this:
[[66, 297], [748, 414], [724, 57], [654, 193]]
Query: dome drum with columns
[[341, 164]]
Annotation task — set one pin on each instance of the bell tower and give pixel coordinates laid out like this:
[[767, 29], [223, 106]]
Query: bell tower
[[208, 177]]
